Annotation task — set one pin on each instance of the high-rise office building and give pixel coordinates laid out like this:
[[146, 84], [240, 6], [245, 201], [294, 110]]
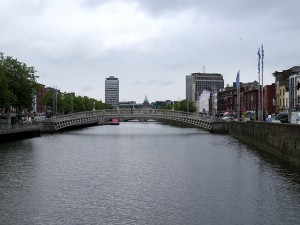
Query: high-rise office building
[[112, 91], [197, 82]]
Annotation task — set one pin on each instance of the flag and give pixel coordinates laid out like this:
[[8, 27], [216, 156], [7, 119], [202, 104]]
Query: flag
[[237, 79], [258, 64]]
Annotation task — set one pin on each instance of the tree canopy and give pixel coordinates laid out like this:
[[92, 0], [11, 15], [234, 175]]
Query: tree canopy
[[185, 106], [18, 87], [65, 103], [17, 84]]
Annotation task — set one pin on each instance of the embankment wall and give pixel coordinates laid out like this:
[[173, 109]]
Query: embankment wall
[[19, 135], [281, 140]]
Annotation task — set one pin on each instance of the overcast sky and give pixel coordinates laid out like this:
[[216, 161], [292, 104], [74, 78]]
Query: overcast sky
[[150, 45]]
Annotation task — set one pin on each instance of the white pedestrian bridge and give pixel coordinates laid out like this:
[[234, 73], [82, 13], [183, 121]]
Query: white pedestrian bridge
[[203, 121]]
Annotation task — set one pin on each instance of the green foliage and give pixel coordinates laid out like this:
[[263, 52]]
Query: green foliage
[[68, 103], [79, 104], [47, 99], [185, 106], [18, 87], [168, 107], [18, 84], [99, 105], [6, 95]]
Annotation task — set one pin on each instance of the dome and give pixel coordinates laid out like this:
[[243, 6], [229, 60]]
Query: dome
[[146, 99]]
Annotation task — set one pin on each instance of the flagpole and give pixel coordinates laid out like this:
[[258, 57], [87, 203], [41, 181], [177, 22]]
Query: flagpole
[[238, 95], [262, 82], [53, 110], [258, 89], [56, 101]]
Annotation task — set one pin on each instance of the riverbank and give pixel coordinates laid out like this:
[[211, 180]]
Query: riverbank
[[16, 132], [281, 140]]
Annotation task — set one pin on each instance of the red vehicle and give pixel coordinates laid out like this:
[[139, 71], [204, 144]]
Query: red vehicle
[[115, 121]]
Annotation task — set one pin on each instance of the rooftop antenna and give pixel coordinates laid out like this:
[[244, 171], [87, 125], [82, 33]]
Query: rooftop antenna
[[203, 69]]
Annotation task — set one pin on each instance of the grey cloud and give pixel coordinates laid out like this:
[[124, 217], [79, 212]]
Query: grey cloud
[[223, 36], [165, 83], [151, 82], [137, 82], [87, 88]]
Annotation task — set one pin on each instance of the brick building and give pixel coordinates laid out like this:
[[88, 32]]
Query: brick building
[[40, 107], [269, 99]]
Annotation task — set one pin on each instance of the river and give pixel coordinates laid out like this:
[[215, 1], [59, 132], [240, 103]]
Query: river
[[144, 173]]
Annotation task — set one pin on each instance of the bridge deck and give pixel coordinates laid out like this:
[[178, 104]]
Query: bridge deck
[[64, 121]]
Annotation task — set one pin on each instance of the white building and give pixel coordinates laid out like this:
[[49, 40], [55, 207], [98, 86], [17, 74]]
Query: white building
[[203, 102], [112, 91], [294, 92]]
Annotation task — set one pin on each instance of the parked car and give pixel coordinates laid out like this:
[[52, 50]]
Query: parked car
[[283, 118], [270, 119], [275, 121], [246, 119], [226, 118]]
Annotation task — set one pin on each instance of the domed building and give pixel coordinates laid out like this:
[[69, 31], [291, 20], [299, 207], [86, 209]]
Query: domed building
[[146, 103]]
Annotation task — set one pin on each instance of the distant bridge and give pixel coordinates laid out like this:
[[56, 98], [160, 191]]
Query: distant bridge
[[57, 123]]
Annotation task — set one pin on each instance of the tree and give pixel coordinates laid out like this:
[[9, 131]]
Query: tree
[[67, 103], [6, 95], [99, 105], [19, 84], [78, 104], [185, 106], [88, 103], [47, 100]]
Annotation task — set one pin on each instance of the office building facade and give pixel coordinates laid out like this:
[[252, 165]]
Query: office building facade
[[112, 91], [196, 83]]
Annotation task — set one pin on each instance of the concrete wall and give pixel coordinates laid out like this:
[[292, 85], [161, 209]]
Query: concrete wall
[[282, 140]]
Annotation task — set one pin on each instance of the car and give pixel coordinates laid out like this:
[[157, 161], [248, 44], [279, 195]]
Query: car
[[275, 121], [284, 118], [246, 119], [270, 119], [226, 118]]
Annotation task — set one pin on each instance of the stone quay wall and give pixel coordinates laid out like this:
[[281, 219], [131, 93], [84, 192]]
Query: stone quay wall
[[16, 132], [281, 140]]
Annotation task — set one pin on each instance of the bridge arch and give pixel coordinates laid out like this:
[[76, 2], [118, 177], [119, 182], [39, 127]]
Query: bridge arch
[[103, 116]]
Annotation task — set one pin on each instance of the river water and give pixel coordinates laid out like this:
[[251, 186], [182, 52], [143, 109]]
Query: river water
[[144, 173]]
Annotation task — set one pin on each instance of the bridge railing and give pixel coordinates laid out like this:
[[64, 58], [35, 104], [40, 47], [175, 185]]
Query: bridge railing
[[75, 115], [128, 112]]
